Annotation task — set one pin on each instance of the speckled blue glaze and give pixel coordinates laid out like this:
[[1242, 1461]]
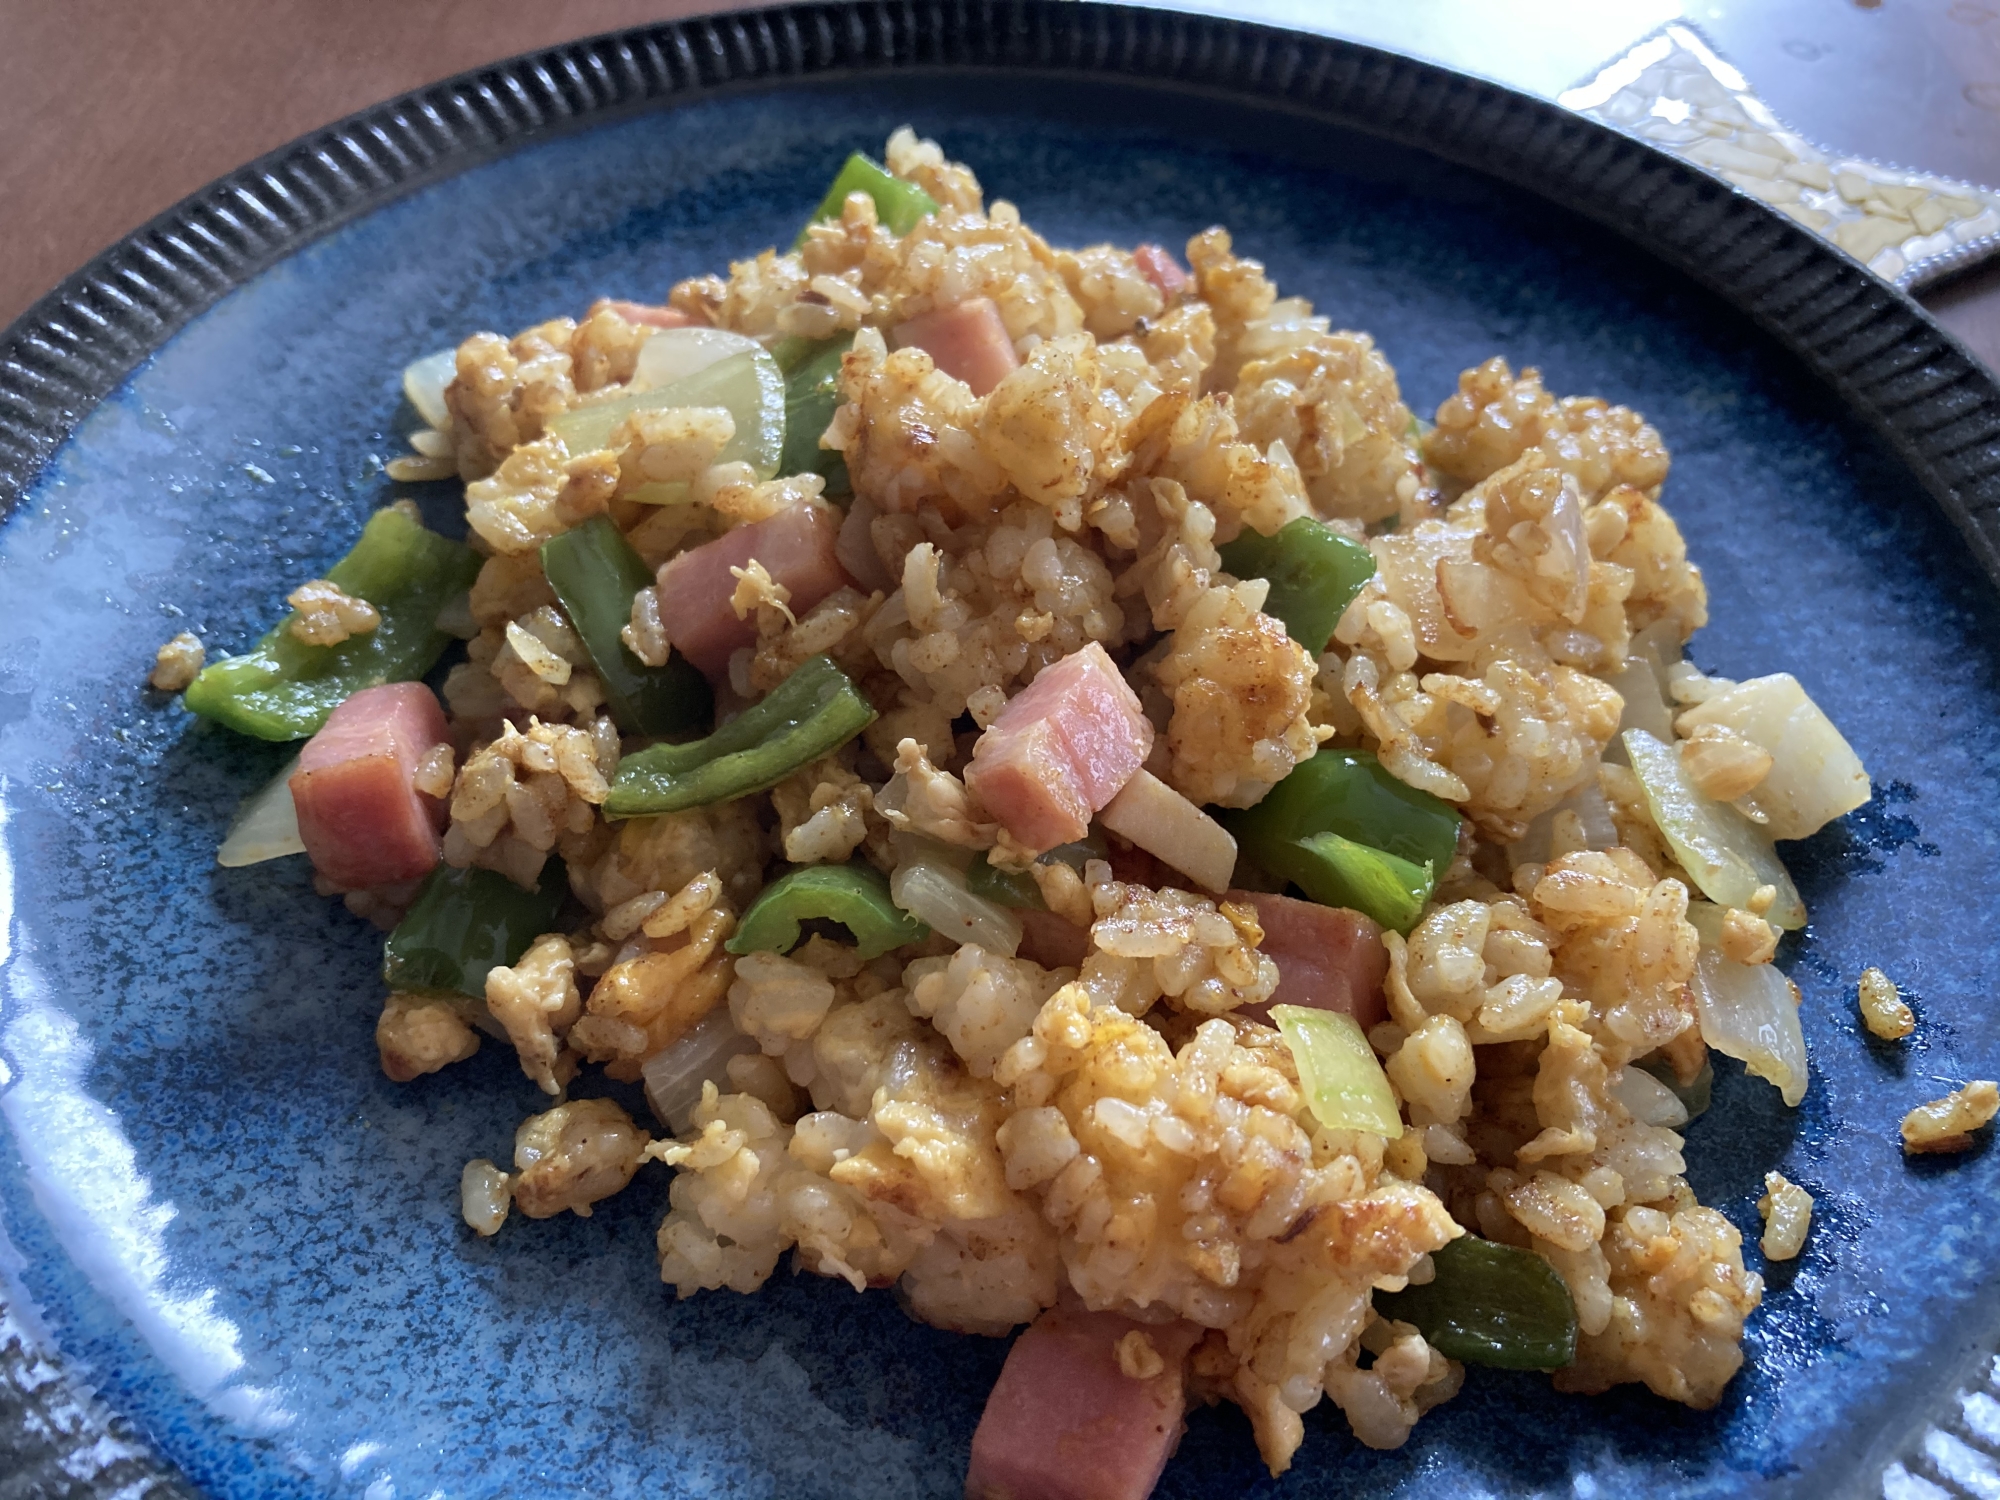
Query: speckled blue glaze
[[249, 1238]]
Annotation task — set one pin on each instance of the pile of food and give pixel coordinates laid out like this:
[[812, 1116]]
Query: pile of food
[[1076, 806]]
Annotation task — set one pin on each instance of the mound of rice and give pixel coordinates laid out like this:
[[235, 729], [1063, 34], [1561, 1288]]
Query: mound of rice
[[987, 1134]]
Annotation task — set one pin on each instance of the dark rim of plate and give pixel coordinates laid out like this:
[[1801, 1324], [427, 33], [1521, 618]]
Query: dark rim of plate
[[1936, 405]]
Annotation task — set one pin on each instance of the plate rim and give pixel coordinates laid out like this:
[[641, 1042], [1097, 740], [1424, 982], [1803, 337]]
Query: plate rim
[[1914, 384], [1887, 359]]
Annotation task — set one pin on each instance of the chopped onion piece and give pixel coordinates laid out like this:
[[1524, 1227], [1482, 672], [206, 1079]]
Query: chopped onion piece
[[1343, 1083], [935, 893], [424, 383], [1815, 775], [675, 353], [1748, 1011], [1642, 684], [1648, 1100], [1728, 855], [1172, 829], [674, 1075], [1588, 802], [266, 825]]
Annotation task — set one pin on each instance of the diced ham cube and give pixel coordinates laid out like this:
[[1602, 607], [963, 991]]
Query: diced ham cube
[[652, 314], [1062, 748], [967, 342], [1065, 1422], [1053, 942], [361, 818], [1328, 958], [1158, 266], [796, 547]]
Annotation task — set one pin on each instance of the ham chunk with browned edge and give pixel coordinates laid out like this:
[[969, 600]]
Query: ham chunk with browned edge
[[968, 342], [1062, 748], [361, 817], [796, 547], [1075, 1416], [1158, 266], [1328, 958], [651, 314]]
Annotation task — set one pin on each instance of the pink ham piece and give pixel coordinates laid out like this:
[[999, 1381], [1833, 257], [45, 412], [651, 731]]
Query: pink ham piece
[[362, 820], [796, 547], [1158, 266], [1062, 748], [1328, 958], [968, 342], [651, 314], [1065, 1422]]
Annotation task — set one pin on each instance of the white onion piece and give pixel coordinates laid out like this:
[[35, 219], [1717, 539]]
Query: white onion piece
[[1728, 855], [1642, 684], [1748, 1011], [1815, 775], [676, 353], [1589, 804], [1173, 830], [855, 547], [674, 1075], [266, 825], [424, 383], [1648, 1100], [935, 894]]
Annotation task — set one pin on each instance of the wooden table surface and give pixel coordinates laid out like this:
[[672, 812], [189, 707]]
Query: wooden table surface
[[111, 110]]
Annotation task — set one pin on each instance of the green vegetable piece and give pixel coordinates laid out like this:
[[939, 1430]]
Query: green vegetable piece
[[899, 205], [813, 711], [595, 573], [1077, 855], [1728, 855], [855, 896], [1315, 572], [283, 689], [1014, 888], [1490, 1305], [1389, 837], [1339, 872], [1343, 1083], [465, 922], [749, 385], [1349, 793], [812, 395]]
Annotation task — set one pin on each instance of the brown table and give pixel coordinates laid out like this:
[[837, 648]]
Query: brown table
[[111, 110]]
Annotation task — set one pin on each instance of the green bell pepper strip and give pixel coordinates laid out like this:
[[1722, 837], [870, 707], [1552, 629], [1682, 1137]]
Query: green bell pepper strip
[[1014, 888], [1490, 1304], [1339, 872], [812, 395], [283, 689], [595, 573], [813, 711], [900, 206], [1390, 841], [465, 922], [1349, 793], [853, 895], [1314, 571]]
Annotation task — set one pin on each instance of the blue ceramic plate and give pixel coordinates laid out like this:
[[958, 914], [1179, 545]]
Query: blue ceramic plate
[[249, 1240]]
